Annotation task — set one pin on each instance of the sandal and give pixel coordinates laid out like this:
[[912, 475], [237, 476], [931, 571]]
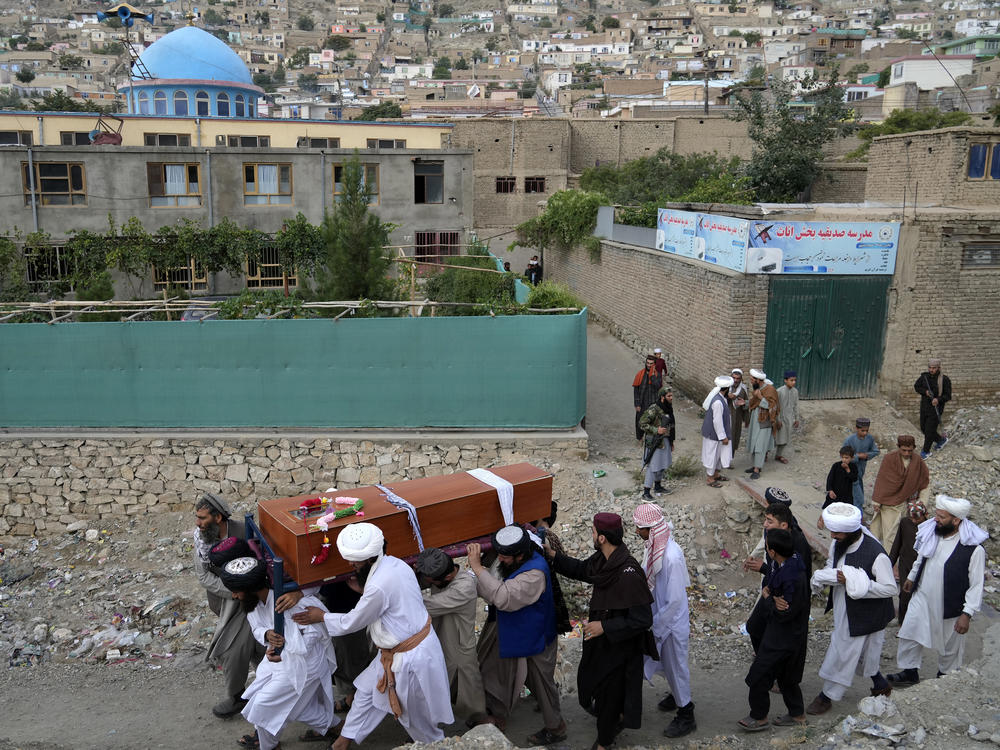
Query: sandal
[[750, 724], [341, 706], [782, 459], [720, 478], [789, 721], [546, 736], [715, 484], [755, 475], [311, 735], [250, 741]]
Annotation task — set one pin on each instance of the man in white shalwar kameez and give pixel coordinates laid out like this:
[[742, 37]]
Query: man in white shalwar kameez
[[947, 586], [862, 584], [292, 686], [667, 577], [716, 447], [408, 677]]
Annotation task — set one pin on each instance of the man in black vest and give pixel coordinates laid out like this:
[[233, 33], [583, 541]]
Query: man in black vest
[[609, 680], [862, 585], [716, 450], [947, 586]]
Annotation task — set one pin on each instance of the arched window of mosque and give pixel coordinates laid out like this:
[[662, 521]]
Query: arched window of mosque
[[143, 103], [222, 104], [239, 105], [160, 102], [250, 108], [202, 103], [180, 103]]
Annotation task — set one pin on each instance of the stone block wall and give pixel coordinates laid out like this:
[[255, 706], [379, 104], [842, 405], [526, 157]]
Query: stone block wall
[[938, 308], [931, 165], [840, 183], [707, 320], [47, 484]]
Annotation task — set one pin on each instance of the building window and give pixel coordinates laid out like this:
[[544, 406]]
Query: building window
[[432, 247], [143, 103], [981, 255], [386, 143], [222, 105], [249, 141], [180, 103], [267, 184], [173, 184], [534, 184], [160, 103], [506, 184], [167, 139], [428, 182], [46, 266], [984, 161], [201, 103], [267, 273], [15, 137], [318, 143], [55, 183], [250, 108], [240, 106], [190, 276], [369, 178], [74, 139]]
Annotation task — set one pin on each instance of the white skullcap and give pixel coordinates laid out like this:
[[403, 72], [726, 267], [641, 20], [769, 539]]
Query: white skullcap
[[737, 370], [657, 350], [957, 506], [759, 374], [360, 541], [842, 518], [724, 381]]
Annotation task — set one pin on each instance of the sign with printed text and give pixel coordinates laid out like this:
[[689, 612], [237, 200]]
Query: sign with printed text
[[815, 247], [780, 247], [721, 240]]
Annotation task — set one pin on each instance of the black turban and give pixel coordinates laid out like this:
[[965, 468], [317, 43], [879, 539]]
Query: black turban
[[434, 564], [228, 549], [246, 574]]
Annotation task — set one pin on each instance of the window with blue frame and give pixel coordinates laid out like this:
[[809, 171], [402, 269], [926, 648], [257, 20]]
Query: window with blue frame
[[222, 105], [984, 161]]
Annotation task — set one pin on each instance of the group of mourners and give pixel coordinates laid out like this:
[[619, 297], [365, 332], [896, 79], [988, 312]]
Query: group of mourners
[[406, 643]]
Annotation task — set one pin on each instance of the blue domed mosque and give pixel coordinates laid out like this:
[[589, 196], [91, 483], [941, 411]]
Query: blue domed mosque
[[191, 74]]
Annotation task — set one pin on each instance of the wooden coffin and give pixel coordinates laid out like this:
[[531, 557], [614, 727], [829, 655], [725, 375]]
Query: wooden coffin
[[451, 509]]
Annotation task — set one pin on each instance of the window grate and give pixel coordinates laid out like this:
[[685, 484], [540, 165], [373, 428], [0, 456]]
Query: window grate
[[981, 255]]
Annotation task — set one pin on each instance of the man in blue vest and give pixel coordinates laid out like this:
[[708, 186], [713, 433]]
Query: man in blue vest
[[862, 585], [525, 628], [716, 428], [947, 586]]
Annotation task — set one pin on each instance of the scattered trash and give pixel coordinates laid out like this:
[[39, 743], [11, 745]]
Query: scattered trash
[[730, 594], [725, 555], [598, 473]]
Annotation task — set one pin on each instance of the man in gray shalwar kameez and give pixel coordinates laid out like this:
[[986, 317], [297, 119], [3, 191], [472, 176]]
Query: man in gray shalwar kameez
[[451, 602], [765, 414]]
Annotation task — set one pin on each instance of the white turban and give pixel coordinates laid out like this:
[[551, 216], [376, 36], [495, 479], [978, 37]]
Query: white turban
[[842, 518], [737, 370], [768, 381], [957, 506], [758, 374], [359, 541], [723, 381]]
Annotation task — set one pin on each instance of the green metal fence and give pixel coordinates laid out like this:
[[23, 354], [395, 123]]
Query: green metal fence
[[524, 371]]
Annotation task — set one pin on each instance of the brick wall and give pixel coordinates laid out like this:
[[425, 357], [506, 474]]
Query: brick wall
[[931, 165], [707, 320], [48, 484], [840, 183], [939, 309]]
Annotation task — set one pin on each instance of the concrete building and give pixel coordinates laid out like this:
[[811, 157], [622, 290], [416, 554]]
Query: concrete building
[[929, 73]]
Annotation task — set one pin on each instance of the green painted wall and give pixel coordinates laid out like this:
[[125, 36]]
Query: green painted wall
[[526, 371]]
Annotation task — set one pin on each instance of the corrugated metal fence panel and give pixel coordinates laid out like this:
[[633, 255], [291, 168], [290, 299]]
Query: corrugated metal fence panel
[[474, 372], [830, 330]]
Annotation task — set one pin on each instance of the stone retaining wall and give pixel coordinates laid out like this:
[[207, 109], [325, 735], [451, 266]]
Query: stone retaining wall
[[46, 485]]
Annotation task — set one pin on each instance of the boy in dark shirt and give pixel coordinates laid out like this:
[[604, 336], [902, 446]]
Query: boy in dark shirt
[[781, 652], [840, 481]]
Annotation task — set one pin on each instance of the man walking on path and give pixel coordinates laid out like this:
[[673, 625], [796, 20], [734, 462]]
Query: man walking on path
[[788, 402], [658, 426], [716, 447], [934, 388], [902, 477], [947, 585], [862, 585], [765, 413], [645, 387]]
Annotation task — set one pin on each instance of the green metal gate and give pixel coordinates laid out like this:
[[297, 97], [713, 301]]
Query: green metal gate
[[830, 330]]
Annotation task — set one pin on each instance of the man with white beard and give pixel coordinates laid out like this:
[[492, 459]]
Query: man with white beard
[[947, 585], [862, 585], [295, 684], [408, 678]]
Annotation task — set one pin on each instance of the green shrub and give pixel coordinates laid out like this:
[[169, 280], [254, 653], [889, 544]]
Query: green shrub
[[98, 289], [548, 295]]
